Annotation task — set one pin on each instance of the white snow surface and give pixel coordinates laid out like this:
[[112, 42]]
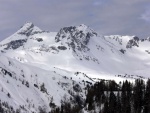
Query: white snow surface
[[41, 59]]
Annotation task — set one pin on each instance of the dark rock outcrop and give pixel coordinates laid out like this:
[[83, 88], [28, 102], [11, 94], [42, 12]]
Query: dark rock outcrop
[[76, 37], [15, 44], [133, 42]]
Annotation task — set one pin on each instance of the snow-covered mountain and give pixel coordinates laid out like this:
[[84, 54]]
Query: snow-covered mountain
[[39, 67]]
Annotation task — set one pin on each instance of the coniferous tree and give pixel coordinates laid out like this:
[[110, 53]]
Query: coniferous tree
[[118, 107], [112, 103], [106, 107], [147, 98], [138, 95], [89, 99], [123, 98]]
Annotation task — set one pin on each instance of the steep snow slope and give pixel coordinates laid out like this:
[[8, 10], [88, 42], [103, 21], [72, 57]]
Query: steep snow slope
[[65, 62], [79, 48], [31, 87]]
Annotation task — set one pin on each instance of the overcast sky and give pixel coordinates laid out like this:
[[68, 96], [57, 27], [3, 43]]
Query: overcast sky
[[107, 17]]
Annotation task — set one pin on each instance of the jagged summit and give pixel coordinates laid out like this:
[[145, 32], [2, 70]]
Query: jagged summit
[[21, 36], [133, 42], [76, 37], [29, 29], [82, 27], [26, 24], [80, 30], [85, 28]]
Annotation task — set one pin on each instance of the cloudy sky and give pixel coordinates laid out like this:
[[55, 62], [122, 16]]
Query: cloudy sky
[[107, 17]]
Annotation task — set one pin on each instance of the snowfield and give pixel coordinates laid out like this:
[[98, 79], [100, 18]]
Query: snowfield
[[38, 67]]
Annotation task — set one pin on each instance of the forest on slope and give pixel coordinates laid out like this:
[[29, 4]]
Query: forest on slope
[[110, 97]]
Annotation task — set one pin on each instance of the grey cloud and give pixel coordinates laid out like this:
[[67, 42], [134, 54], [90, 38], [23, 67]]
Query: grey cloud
[[146, 15], [123, 18], [127, 17]]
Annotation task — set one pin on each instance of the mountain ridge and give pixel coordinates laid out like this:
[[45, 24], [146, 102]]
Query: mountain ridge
[[39, 67]]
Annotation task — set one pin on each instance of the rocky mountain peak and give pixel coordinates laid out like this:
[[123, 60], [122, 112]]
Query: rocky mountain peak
[[28, 24], [77, 37], [28, 29], [82, 27], [133, 42]]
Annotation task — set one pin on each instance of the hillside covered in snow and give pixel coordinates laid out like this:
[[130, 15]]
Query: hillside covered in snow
[[41, 69]]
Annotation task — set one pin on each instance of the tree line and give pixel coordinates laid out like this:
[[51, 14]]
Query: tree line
[[126, 97], [111, 97]]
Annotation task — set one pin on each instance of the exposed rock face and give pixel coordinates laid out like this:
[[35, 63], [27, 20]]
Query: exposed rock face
[[122, 51], [29, 29], [76, 37], [15, 44], [133, 42], [39, 39], [62, 47], [26, 29]]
